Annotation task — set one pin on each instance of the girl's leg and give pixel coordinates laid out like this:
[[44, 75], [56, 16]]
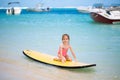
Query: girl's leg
[[62, 59], [59, 58], [68, 58]]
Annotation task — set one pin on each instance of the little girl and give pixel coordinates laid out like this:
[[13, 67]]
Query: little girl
[[63, 49]]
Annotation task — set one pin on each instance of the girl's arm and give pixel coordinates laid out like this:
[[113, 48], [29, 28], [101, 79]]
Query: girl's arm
[[73, 53]]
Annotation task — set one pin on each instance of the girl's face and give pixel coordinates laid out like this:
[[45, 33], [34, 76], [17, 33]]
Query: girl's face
[[65, 40]]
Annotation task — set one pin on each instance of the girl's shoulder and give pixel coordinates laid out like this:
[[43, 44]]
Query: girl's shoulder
[[69, 46], [63, 46]]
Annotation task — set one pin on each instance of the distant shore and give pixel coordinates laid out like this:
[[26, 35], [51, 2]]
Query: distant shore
[[44, 7]]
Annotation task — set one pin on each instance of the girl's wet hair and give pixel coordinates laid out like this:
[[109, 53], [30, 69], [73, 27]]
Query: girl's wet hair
[[65, 35]]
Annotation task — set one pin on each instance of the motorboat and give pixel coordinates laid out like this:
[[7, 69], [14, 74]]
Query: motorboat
[[13, 10], [110, 15], [39, 8]]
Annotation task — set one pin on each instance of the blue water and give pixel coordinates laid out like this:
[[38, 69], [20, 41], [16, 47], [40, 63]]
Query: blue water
[[92, 42]]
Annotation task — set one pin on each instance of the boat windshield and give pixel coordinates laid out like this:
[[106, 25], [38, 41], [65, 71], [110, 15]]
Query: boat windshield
[[98, 5]]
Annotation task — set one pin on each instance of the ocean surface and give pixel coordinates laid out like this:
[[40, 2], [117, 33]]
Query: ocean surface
[[92, 42]]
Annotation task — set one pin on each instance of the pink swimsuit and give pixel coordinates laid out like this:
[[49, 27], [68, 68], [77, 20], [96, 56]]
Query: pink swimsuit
[[64, 51]]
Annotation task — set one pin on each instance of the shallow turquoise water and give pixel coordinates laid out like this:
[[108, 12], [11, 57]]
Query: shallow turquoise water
[[92, 42]]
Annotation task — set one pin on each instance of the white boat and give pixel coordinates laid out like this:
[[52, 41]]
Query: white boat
[[39, 8], [13, 10], [110, 15]]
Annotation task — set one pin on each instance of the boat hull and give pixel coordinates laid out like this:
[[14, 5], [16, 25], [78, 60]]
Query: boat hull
[[13, 11], [37, 10], [99, 18]]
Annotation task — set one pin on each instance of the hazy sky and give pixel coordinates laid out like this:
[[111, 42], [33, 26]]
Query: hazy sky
[[58, 3]]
